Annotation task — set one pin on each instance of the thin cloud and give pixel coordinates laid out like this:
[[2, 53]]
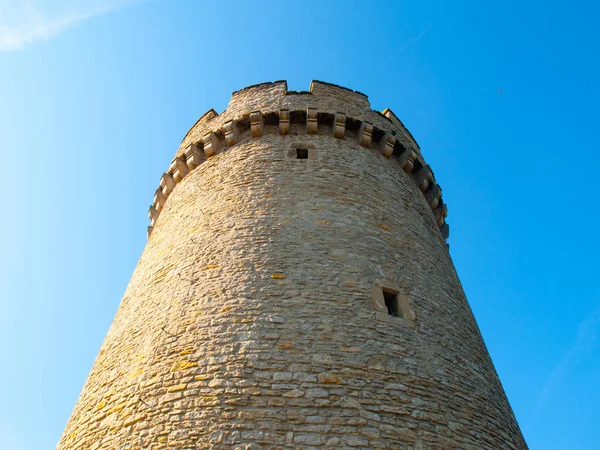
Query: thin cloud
[[25, 23], [587, 334], [414, 40]]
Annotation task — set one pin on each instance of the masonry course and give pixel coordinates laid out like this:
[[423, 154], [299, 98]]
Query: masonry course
[[256, 315]]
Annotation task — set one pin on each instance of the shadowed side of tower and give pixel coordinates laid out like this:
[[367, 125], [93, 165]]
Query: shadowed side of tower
[[296, 291]]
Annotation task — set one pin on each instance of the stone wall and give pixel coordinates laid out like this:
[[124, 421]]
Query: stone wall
[[253, 318]]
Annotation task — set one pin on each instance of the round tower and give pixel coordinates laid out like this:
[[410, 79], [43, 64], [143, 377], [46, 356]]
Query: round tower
[[296, 291]]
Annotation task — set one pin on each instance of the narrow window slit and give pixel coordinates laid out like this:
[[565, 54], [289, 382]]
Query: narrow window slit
[[301, 153], [391, 302]]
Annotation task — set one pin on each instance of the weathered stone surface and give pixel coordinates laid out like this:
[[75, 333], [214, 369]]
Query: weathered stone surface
[[249, 321]]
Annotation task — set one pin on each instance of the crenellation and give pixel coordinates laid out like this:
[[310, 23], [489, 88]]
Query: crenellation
[[271, 97]]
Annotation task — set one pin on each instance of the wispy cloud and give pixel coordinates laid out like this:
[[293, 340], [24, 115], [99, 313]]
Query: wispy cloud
[[25, 22], [587, 334], [412, 41]]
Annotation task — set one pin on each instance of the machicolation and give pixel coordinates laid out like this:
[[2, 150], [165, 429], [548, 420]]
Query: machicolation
[[382, 132]]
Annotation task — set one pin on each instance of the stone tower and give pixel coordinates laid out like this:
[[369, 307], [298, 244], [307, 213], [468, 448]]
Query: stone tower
[[296, 291]]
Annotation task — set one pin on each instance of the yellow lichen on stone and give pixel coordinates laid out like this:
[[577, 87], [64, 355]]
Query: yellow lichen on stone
[[100, 405], [134, 419], [210, 266], [330, 378], [134, 374], [209, 401], [323, 222], [177, 387], [278, 276], [187, 351], [383, 227], [226, 308], [182, 365], [161, 273], [115, 409]]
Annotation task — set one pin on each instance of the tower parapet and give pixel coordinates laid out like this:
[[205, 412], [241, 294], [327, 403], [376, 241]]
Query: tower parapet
[[327, 109]]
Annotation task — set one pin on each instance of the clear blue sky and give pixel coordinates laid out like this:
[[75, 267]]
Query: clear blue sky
[[95, 97]]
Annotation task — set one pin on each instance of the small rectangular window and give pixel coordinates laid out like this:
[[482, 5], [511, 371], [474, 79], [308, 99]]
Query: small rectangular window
[[301, 153], [391, 302]]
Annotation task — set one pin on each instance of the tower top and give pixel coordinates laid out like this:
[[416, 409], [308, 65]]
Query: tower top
[[270, 108]]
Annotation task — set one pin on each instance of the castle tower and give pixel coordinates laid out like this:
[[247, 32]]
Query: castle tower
[[296, 291]]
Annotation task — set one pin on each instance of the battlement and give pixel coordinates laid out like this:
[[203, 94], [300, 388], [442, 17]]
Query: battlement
[[327, 109]]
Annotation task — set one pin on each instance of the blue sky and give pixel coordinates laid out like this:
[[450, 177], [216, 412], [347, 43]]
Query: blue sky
[[95, 97]]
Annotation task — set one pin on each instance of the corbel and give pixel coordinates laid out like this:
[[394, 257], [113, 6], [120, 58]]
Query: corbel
[[284, 121], [364, 134], [440, 213], [311, 120], [211, 143], [167, 183], [256, 124], [424, 177], [193, 156], [433, 194], [230, 131], [179, 169], [387, 145], [339, 125], [152, 214], [407, 160], [445, 230], [159, 199]]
